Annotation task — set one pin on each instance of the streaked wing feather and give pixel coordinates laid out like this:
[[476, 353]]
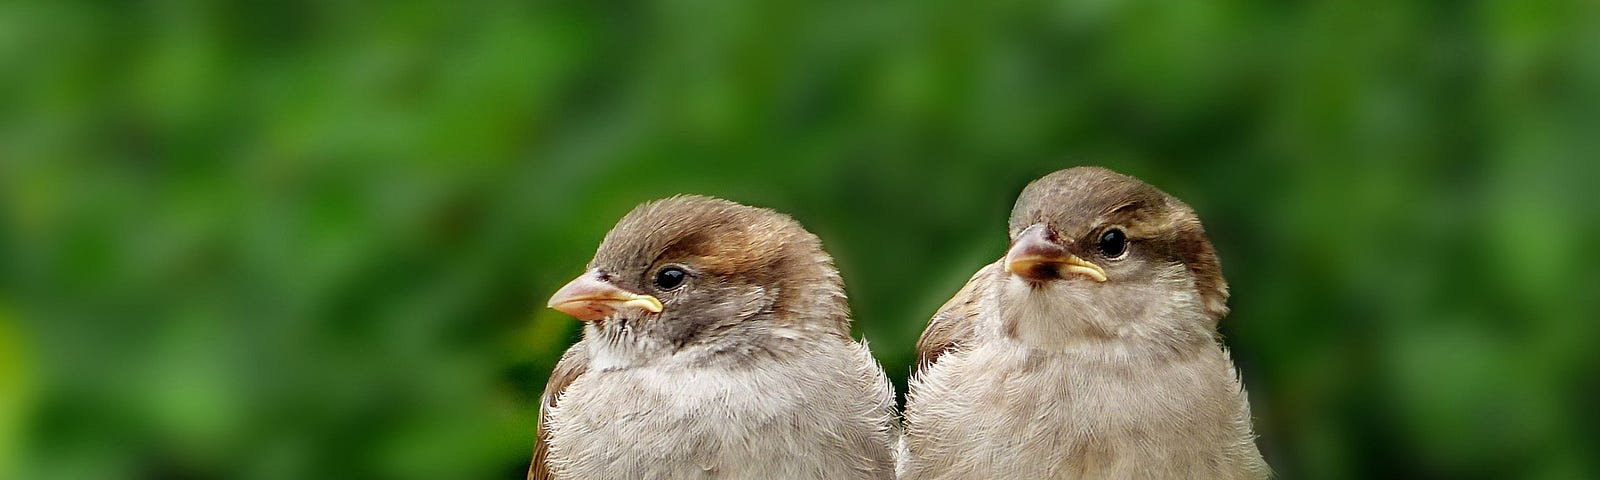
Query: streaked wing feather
[[955, 322], [573, 363]]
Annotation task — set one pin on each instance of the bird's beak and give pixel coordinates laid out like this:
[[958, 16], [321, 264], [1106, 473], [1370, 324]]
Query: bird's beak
[[588, 298], [1037, 256]]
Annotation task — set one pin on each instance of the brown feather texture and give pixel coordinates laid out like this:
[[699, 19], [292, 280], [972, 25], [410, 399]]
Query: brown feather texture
[[746, 371], [954, 322], [572, 364], [1089, 351]]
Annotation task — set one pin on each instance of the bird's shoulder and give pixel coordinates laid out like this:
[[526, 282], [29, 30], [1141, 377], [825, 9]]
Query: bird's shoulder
[[956, 321], [573, 364]]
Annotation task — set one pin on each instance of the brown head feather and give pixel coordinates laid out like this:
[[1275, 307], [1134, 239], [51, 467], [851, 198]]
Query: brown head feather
[[1077, 202], [723, 239]]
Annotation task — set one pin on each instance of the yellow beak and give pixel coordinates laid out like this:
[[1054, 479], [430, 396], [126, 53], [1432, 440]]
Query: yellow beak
[[588, 298], [1035, 256]]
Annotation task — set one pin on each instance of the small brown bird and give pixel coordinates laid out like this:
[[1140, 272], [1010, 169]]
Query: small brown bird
[[1089, 351], [716, 345]]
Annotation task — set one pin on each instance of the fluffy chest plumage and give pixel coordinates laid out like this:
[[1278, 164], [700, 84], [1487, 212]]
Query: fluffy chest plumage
[[811, 418], [1004, 410]]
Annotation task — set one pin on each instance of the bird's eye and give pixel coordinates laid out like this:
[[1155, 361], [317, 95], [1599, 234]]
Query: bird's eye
[[1113, 243], [670, 278]]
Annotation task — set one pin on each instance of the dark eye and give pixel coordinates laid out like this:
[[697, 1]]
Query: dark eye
[[670, 277], [1113, 243]]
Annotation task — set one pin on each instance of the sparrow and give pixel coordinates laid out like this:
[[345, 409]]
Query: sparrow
[[716, 344], [1089, 350]]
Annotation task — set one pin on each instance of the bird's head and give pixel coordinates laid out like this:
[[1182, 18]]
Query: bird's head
[[692, 272], [1100, 253]]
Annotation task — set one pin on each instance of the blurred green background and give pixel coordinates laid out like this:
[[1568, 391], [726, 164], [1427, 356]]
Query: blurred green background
[[313, 239]]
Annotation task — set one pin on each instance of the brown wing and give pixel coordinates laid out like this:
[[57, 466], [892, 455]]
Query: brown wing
[[955, 321], [572, 364]]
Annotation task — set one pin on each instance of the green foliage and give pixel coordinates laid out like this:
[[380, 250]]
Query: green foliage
[[314, 239]]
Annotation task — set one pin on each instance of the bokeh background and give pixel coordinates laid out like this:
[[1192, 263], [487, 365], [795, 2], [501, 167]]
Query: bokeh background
[[313, 239]]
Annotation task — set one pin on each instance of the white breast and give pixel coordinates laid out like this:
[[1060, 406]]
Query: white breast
[[823, 416], [1003, 410]]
